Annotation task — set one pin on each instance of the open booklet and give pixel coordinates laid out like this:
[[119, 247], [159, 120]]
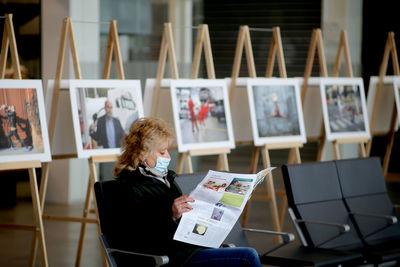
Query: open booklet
[[219, 200]]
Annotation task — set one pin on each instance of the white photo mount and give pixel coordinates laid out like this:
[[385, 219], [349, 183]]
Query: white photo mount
[[125, 95], [385, 105], [396, 87], [203, 138], [344, 117], [281, 98], [34, 103]]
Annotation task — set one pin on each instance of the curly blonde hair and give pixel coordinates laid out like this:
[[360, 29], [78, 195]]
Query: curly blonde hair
[[144, 136]]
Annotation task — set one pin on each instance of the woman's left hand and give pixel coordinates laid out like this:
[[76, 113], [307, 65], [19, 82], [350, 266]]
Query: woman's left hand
[[180, 206]]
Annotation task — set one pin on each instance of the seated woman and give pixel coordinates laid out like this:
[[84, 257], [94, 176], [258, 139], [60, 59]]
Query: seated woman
[[142, 171]]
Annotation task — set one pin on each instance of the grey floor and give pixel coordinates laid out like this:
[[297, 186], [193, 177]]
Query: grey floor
[[62, 237]]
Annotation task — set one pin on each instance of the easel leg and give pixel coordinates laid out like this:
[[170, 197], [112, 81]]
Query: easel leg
[[245, 213], [188, 163], [83, 226], [388, 152], [321, 149], [271, 194], [254, 159], [179, 164], [38, 216], [361, 147], [42, 196], [253, 169], [222, 163], [336, 151]]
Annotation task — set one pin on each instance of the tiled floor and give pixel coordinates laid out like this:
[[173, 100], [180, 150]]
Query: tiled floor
[[62, 237]]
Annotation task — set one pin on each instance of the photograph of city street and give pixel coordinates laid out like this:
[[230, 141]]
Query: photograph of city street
[[275, 109], [22, 125], [201, 114], [344, 109]]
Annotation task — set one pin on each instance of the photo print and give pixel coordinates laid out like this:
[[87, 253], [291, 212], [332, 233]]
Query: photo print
[[217, 214], [217, 185], [201, 114], [239, 186], [275, 111], [103, 112], [23, 131], [344, 108], [200, 229]]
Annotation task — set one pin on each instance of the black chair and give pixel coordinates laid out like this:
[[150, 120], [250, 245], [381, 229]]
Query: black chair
[[111, 208], [365, 196], [320, 216]]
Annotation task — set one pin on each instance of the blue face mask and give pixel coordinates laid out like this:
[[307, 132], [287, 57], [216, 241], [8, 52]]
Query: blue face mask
[[162, 165]]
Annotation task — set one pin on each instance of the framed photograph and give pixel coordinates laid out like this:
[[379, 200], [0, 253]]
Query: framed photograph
[[23, 131], [201, 114], [344, 108], [396, 86], [102, 114], [275, 111]]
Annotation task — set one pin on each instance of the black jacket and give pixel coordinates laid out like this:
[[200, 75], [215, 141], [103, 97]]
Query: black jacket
[[149, 216]]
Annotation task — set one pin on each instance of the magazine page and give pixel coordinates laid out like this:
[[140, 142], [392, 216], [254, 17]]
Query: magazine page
[[219, 200]]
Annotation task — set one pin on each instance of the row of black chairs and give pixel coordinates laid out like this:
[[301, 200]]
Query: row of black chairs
[[340, 209], [344, 206]]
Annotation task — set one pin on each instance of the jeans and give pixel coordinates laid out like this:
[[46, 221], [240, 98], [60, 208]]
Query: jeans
[[220, 257]]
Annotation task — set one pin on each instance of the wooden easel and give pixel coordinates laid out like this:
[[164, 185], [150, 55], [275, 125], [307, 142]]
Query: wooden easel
[[317, 43], [390, 49], [113, 46], [38, 230], [343, 44], [168, 47], [276, 49]]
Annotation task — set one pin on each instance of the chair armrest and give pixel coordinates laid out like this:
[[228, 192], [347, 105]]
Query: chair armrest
[[390, 219], [342, 227], [286, 237], [158, 259]]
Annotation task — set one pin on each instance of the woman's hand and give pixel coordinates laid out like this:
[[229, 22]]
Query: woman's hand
[[180, 206]]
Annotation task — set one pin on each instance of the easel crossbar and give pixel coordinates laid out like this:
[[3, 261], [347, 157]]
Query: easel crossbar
[[283, 145], [18, 227], [69, 219], [20, 165]]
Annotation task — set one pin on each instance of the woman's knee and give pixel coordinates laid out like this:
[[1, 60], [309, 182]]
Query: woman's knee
[[250, 256]]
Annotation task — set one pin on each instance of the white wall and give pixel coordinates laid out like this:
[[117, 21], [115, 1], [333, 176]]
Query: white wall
[[338, 15], [68, 177]]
